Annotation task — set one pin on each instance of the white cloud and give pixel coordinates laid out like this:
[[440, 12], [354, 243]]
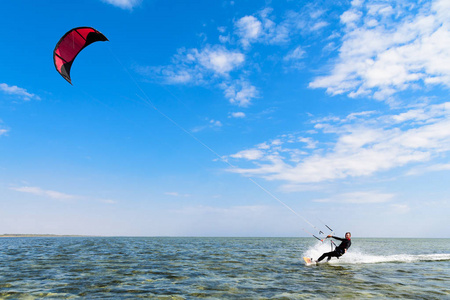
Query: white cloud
[[180, 76], [359, 198], [296, 54], [310, 20], [240, 92], [262, 29], [211, 65], [427, 169], [222, 29], [237, 114], [362, 146], [319, 25], [386, 50], [440, 167], [124, 4], [108, 201], [224, 39], [197, 66], [41, 192], [350, 17], [215, 123], [219, 59], [310, 143], [295, 58], [17, 91], [251, 154], [3, 131], [176, 194], [37, 191], [225, 68], [249, 29], [212, 124]]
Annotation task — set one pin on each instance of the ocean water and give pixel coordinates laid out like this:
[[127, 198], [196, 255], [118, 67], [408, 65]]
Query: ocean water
[[221, 268]]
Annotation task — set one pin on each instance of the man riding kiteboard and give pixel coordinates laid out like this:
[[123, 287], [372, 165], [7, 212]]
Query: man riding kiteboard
[[340, 250]]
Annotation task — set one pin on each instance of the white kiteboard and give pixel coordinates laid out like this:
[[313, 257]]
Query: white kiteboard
[[308, 261]]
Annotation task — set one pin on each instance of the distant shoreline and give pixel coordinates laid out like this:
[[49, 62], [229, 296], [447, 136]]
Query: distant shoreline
[[40, 235]]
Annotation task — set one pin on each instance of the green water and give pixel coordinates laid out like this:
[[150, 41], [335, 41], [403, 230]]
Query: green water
[[221, 268]]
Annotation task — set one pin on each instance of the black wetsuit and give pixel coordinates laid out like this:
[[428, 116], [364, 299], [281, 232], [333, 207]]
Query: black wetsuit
[[339, 251]]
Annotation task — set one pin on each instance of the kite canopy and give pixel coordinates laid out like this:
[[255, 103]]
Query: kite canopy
[[70, 45]]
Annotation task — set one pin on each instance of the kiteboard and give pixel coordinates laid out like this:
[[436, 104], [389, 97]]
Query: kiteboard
[[308, 261]]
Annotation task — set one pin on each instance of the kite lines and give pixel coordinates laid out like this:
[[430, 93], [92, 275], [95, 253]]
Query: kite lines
[[77, 39], [146, 100]]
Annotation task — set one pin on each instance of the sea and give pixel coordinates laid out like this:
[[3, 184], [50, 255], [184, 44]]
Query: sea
[[221, 268]]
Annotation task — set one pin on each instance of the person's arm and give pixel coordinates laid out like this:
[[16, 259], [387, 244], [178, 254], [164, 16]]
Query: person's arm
[[337, 238]]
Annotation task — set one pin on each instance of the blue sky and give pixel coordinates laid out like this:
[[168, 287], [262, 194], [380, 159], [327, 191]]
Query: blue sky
[[199, 118]]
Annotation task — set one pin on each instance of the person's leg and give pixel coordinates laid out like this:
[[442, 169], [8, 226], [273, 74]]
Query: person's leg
[[325, 255], [329, 255], [332, 254]]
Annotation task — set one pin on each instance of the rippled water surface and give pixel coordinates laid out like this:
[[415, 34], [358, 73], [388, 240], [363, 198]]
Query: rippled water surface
[[221, 268]]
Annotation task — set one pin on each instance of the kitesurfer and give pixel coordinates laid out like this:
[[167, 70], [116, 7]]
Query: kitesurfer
[[341, 249]]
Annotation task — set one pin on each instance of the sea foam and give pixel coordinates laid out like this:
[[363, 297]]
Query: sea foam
[[358, 256]]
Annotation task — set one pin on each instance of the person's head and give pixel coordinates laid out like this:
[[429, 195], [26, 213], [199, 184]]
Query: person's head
[[348, 235]]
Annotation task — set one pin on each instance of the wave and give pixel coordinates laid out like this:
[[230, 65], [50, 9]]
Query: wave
[[360, 258]]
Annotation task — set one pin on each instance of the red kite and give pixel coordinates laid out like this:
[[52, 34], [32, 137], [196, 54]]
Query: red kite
[[70, 45]]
